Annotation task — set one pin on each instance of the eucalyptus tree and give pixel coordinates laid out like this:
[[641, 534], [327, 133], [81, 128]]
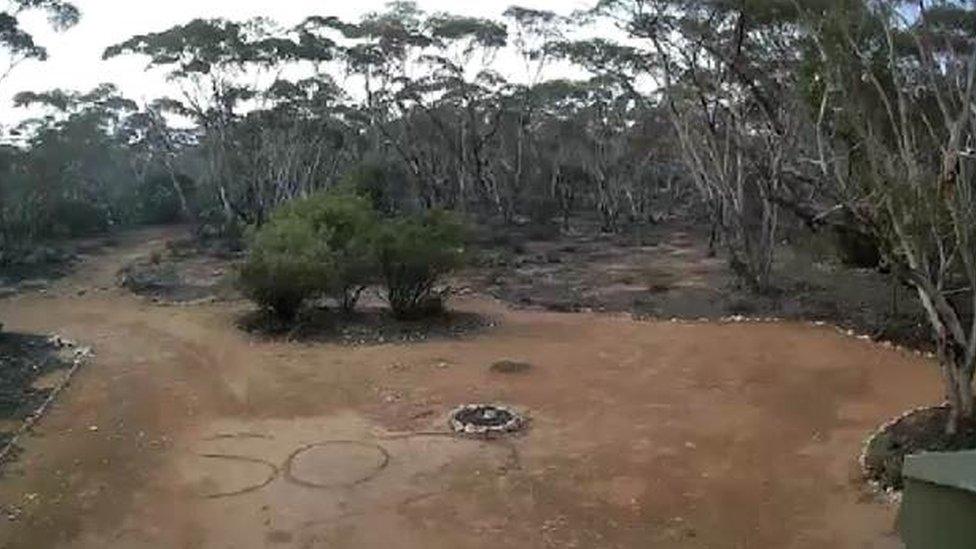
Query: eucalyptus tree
[[216, 63], [517, 162], [378, 51], [611, 113], [157, 147], [73, 174], [300, 142], [428, 93], [893, 89], [16, 43], [460, 96], [16, 46], [727, 73]]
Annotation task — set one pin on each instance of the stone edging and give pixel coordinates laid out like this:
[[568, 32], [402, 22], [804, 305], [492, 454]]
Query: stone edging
[[516, 422], [80, 356], [737, 319], [888, 494]]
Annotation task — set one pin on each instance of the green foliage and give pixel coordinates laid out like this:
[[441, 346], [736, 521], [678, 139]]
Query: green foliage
[[383, 183], [18, 42], [157, 200], [415, 252], [289, 261], [347, 222], [74, 177], [332, 244], [203, 45]]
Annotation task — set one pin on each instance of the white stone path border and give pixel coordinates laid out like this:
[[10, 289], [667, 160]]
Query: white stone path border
[[80, 357]]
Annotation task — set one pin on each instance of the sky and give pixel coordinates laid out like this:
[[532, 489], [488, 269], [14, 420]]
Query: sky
[[75, 56]]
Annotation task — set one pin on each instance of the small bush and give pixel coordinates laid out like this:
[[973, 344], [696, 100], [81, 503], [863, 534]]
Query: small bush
[[348, 224], [289, 262], [414, 253]]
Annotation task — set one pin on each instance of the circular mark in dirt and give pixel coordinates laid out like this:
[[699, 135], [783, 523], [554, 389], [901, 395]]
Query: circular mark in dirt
[[510, 367], [485, 419], [336, 463], [235, 476]]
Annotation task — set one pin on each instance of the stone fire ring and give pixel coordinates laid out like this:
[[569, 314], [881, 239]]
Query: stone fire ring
[[485, 419]]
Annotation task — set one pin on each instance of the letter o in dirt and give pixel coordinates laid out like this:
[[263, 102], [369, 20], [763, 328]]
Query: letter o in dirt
[[335, 463]]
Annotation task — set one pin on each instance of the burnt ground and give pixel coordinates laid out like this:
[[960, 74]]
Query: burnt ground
[[664, 271], [37, 267], [26, 363], [184, 269], [371, 325]]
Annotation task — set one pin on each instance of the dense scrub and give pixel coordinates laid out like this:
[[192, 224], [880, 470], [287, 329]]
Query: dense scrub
[[334, 245]]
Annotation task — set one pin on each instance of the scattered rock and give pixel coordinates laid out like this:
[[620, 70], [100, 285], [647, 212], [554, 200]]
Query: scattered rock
[[33, 285], [510, 367], [60, 341]]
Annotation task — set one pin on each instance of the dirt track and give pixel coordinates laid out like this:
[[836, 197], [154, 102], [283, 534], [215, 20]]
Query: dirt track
[[184, 432]]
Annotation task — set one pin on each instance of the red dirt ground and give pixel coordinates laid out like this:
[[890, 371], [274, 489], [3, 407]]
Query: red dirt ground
[[185, 432]]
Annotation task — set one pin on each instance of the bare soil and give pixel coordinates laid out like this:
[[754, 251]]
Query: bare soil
[[185, 431]]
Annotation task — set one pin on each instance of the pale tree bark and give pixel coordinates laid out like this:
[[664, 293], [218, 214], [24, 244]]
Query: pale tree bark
[[916, 190]]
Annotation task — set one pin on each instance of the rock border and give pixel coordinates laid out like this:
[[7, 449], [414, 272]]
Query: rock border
[[80, 357], [739, 319], [890, 495], [516, 423]]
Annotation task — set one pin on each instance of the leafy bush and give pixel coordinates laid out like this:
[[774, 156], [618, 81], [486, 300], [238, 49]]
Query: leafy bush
[[414, 253], [348, 224], [289, 262]]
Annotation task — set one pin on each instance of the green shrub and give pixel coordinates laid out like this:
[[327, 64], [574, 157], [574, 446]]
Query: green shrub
[[289, 262], [385, 184], [349, 226], [414, 253]]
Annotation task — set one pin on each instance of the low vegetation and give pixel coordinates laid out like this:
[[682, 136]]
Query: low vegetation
[[334, 245], [415, 252], [290, 261]]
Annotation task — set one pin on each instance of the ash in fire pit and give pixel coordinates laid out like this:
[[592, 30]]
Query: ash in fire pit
[[483, 419]]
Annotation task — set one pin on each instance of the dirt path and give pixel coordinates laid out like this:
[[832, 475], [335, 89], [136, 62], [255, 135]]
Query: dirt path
[[184, 432]]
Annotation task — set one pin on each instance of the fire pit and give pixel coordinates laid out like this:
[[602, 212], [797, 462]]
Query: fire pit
[[485, 419]]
